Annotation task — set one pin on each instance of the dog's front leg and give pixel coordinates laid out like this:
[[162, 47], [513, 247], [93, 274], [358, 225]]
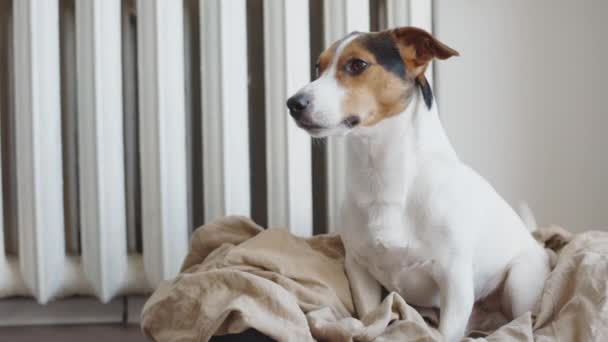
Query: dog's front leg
[[457, 299], [366, 291]]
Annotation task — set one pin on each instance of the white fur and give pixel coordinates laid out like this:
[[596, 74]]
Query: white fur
[[328, 96], [422, 223]]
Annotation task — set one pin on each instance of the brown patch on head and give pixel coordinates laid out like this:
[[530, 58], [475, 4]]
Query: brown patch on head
[[379, 72], [383, 89], [326, 57], [375, 93]]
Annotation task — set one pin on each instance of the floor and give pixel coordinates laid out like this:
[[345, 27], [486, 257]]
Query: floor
[[90, 333]]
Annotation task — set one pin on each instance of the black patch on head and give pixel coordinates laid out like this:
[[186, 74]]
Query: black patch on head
[[427, 93], [383, 47]]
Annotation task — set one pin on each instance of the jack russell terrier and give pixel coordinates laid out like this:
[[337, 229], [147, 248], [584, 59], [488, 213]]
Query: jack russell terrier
[[417, 220]]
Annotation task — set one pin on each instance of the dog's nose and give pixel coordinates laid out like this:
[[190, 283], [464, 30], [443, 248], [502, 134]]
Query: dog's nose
[[297, 104]]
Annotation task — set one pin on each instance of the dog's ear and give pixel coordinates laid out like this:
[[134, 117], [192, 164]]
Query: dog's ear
[[418, 48]]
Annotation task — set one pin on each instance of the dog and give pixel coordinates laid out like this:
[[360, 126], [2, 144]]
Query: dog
[[416, 219]]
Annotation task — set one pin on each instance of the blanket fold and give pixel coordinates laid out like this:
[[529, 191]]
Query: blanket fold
[[238, 276]]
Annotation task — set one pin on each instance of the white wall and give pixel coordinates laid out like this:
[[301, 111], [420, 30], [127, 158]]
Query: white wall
[[526, 103]]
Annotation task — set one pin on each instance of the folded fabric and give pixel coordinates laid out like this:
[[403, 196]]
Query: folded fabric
[[239, 276]]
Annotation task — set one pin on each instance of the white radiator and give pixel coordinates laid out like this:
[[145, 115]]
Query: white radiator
[[43, 159]]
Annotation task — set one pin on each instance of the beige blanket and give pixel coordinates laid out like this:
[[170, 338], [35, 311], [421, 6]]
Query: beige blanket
[[239, 276]]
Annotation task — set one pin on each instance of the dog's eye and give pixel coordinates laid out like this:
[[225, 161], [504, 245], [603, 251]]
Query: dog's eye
[[356, 66]]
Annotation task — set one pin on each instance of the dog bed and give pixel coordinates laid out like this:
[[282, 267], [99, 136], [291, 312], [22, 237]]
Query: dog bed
[[239, 278]]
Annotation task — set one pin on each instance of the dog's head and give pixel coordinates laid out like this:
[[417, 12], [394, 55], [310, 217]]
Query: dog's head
[[364, 78]]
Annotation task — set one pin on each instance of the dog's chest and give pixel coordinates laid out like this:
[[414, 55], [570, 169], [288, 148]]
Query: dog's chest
[[400, 262]]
